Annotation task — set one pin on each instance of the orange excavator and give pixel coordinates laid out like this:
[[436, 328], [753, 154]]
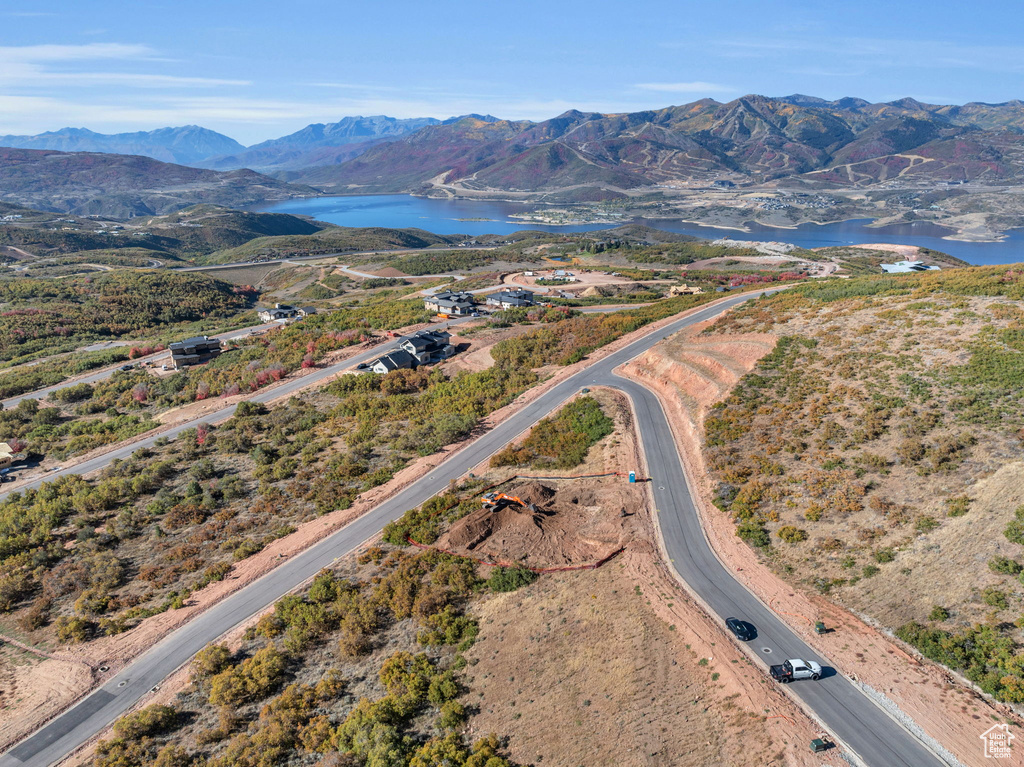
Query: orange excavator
[[498, 501]]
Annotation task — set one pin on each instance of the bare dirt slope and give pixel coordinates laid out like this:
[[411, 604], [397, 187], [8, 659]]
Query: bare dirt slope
[[580, 669]]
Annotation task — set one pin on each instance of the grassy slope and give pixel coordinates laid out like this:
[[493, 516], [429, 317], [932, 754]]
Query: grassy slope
[[860, 455]]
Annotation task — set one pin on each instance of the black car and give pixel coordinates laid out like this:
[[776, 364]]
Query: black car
[[742, 630]]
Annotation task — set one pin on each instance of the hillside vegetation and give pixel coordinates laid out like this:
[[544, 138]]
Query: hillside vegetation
[[333, 240], [365, 664], [186, 234], [876, 453], [59, 315]]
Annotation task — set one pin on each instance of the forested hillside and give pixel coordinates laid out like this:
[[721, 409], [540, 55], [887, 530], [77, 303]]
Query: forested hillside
[[58, 315]]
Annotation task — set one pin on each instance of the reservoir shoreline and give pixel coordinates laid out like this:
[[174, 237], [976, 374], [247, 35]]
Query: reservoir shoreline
[[478, 217]]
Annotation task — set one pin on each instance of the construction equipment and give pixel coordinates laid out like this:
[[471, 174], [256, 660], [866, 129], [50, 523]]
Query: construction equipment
[[498, 501]]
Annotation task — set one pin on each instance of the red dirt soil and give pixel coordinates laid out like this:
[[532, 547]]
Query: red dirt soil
[[572, 524]]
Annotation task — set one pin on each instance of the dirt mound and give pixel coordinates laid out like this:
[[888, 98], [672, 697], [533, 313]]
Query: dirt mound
[[592, 292], [572, 524], [534, 493]]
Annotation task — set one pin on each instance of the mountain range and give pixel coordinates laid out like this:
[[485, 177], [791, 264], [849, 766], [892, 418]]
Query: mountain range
[[798, 141], [186, 145], [316, 144], [807, 141]]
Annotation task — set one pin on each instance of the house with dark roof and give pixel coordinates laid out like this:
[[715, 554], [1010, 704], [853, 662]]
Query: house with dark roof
[[396, 360], [428, 346], [279, 312], [194, 351], [447, 302], [510, 299]]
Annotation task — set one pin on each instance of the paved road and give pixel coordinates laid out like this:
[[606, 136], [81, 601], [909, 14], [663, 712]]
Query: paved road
[[848, 714], [105, 373], [846, 711]]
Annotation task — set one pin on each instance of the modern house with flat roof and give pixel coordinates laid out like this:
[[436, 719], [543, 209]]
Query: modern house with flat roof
[[194, 351]]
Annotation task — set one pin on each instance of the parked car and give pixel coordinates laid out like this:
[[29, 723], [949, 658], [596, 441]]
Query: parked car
[[127, 367], [742, 630]]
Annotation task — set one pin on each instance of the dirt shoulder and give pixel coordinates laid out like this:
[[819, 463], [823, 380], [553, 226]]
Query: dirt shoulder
[[689, 373]]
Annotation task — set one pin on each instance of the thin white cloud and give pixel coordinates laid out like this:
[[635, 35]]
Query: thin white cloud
[[31, 54], [41, 66], [879, 52], [697, 86]]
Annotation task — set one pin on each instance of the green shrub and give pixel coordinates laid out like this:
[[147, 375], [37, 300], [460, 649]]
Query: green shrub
[[884, 555], [252, 679], [791, 534], [510, 578], [957, 506], [754, 533], [1014, 531], [870, 570], [938, 613], [994, 597], [152, 720], [1005, 565]]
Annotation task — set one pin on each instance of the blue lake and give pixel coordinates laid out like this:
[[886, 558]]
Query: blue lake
[[399, 211]]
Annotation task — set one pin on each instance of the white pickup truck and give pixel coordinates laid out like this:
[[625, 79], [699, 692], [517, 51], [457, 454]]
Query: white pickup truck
[[795, 669]]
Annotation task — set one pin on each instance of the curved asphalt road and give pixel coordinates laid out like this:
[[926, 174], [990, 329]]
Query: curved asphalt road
[[848, 714]]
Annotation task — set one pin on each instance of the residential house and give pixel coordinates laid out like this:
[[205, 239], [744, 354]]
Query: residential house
[[279, 312], [393, 361], [428, 346], [907, 267], [447, 302], [194, 351], [509, 299], [6, 455], [306, 311], [421, 348]]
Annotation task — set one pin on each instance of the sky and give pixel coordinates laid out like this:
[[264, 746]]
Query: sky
[[257, 70]]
